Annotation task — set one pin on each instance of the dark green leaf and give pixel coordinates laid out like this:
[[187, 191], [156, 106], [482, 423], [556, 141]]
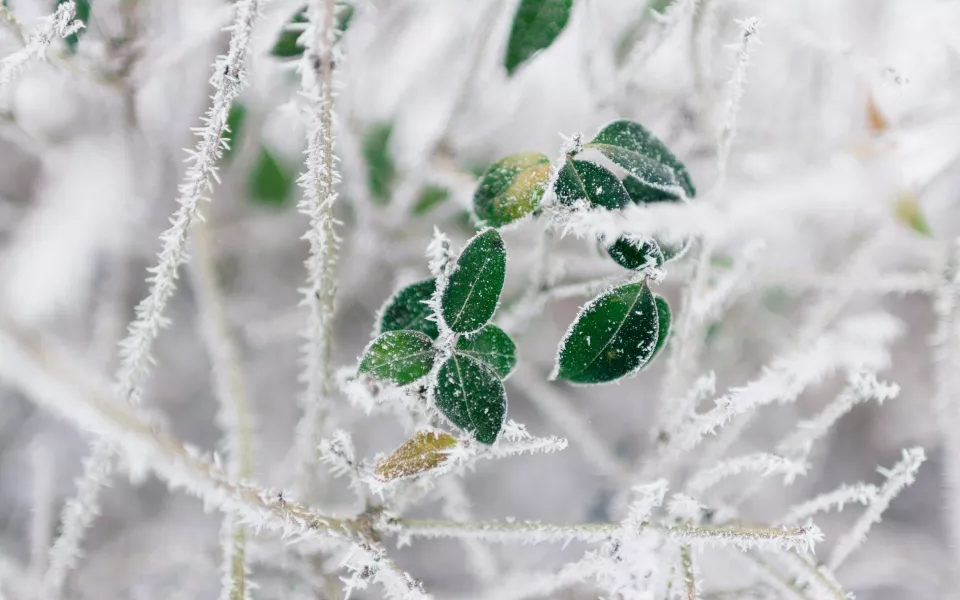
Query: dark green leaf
[[430, 197], [474, 287], [270, 182], [492, 346], [635, 253], [398, 356], [536, 24], [235, 121], [644, 194], [582, 179], [664, 319], [644, 156], [381, 171], [83, 15], [286, 45], [614, 335], [470, 394], [512, 188], [407, 309]]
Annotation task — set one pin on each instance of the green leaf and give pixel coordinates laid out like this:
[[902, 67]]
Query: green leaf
[[407, 309], [635, 253], [536, 24], [470, 394], [83, 15], [235, 120], [492, 346], [512, 188], [286, 45], [474, 287], [270, 183], [582, 179], [614, 335], [399, 356], [644, 156], [644, 194], [431, 196], [664, 319], [381, 171]]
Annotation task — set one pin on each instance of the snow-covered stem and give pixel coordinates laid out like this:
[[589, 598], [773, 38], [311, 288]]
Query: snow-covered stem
[[748, 34], [861, 387], [807, 575], [228, 79], [76, 517], [762, 463], [318, 181], [58, 25], [552, 403], [233, 416], [41, 520], [898, 477], [691, 583], [856, 343], [533, 532], [859, 493]]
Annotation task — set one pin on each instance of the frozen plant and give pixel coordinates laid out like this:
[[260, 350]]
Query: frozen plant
[[401, 339]]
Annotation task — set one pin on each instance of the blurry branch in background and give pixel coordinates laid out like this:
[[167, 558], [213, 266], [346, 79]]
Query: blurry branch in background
[[135, 350], [58, 25]]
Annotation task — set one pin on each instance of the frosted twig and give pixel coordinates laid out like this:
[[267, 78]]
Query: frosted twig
[[691, 583], [233, 416], [762, 463], [556, 407], [809, 575], [898, 477], [319, 181], [41, 522], [860, 493], [58, 25], [748, 32], [228, 79], [456, 506], [861, 387], [77, 515]]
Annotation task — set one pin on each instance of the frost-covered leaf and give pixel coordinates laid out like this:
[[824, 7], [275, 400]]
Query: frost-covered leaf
[[407, 310], [430, 197], [536, 24], [470, 394], [642, 155], [399, 356], [635, 253], [473, 289], [286, 45], [425, 451], [511, 188], [270, 181], [613, 336], [582, 179], [492, 346], [664, 318], [381, 171], [644, 194], [82, 14], [235, 120]]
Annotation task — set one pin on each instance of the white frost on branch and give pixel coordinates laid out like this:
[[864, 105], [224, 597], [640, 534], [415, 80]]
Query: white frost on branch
[[762, 463], [862, 386], [858, 493], [228, 79], [898, 477], [319, 181], [58, 25], [748, 37]]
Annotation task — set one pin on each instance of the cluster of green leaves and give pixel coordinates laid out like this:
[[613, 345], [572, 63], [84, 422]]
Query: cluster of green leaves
[[83, 15], [467, 386], [620, 331]]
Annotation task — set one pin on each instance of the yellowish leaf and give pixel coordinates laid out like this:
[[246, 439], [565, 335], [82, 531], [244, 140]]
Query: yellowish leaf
[[425, 451]]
